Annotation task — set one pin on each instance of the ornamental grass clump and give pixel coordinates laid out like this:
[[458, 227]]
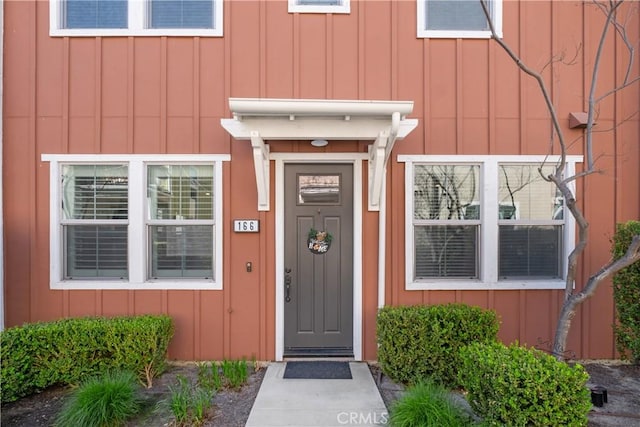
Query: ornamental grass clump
[[107, 400], [235, 373], [189, 405], [427, 405], [209, 376]]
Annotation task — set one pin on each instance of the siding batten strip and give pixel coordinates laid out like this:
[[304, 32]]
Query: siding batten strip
[[491, 137], [196, 143], [33, 159], [459, 98], [328, 56], [163, 94], [226, 195], [263, 49], [296, 55], [65, 94], [362, 36], [521, 80], [130, 94], [97, 126], [197, 330], [263, 302]]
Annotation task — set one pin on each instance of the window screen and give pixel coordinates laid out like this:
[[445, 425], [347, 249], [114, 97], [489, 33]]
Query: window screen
[[95, 13], [181, 220], [461, 15], [95, 218], [181, 13]]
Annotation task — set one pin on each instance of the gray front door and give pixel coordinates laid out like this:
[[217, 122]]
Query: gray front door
[[318, 306]]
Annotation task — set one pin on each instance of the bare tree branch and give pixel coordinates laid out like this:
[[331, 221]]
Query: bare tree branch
[[532, 73], [572, 301], [610, 17], [616, 125], [563, 184]]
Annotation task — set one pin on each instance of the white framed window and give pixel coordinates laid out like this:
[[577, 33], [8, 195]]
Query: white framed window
[[135, 17], [457, 18], [136, 221], [319, 6], [485, 222]]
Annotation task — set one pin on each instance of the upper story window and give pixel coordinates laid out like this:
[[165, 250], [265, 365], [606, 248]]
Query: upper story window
[[457, 18], [485, 222], [135, 17], [134, 222], [319, 6]]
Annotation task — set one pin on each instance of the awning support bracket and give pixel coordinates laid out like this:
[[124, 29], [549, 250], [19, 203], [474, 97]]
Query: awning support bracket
[[379, 154], [261, 165]]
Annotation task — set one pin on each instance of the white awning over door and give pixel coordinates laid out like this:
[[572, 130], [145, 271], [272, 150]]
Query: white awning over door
[[261, 119]]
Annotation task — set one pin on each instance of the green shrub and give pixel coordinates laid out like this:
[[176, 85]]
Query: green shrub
[[626, 293], [420, 342], [37, 355], [517, 386], [104, 401], [427, 405]]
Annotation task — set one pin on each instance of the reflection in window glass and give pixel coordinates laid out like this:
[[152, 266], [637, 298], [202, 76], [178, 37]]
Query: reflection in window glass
[[528, 249], [181, 232], [95, 212], [318, 189], [446, 192], [525, 195], [446, 220], [180, 192]]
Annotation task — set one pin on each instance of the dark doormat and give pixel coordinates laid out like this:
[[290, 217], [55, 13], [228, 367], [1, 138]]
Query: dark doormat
[[318, 370]]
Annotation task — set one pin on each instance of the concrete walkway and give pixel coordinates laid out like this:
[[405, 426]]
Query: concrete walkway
[[302, 402]]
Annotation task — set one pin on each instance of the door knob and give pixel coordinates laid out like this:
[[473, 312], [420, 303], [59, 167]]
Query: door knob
[[287, 285]]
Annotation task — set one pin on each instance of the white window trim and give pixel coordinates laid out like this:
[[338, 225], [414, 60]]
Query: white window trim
[[137, 20], [457, 34], [296, 7], [137, 222], [489, 197]]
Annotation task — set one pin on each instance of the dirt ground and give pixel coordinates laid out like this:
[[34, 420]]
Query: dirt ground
[[232, 408]]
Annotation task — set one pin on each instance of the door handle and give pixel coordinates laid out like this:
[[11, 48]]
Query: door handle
[[287, 285]]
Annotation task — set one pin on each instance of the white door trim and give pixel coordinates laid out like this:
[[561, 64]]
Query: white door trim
[[356, 160]]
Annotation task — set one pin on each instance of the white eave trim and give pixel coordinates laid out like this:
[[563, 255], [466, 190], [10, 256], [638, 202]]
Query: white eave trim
[[260, 119]]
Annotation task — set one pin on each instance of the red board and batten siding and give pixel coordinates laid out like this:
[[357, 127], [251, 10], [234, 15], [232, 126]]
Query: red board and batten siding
[[168, 94]]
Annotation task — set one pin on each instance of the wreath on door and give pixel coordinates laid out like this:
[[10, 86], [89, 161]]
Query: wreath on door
[[318, 242]]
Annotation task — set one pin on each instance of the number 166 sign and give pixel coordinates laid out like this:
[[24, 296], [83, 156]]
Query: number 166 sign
[[246, 225]]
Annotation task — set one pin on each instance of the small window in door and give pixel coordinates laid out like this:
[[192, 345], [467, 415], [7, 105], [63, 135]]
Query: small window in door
[[318, 189]]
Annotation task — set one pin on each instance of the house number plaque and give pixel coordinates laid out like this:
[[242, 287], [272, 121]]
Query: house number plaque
[[246, 225]]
